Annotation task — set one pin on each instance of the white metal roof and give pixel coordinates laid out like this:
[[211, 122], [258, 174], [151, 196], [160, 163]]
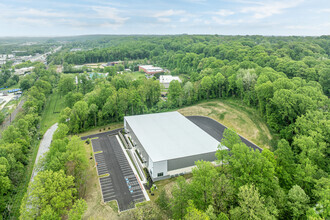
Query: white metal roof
[[151, 68], [170, 135], [168, 78]]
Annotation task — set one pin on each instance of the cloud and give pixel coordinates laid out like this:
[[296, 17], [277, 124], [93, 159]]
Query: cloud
[[163, 16], [31, 21], [44, 13], [164, 20], [224, 12], [267, 9], [110, 13], [7, 11], [168, 13], [93, 16], [308, 27], [221, 21], [325, 10], [183, 20], [196, 1]]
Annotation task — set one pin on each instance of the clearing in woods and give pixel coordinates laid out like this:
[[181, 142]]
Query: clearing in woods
[[53, 107], [244, 120]]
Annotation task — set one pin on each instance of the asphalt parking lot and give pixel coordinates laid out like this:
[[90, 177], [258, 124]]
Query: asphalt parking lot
[[121, 184], [215, 129]]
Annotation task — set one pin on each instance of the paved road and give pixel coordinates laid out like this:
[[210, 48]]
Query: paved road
[[44, 147], [122, 184], [101, 134], [215, 129]]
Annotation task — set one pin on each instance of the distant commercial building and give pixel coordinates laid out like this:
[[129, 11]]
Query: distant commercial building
[[169, 143], [166, 79], [113, 63], [75, 49], [23, 71], [150, 69]]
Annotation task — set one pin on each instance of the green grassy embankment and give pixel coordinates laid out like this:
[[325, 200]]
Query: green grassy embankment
[[134, 75], [233, 114], [53, 107], [103, 128]]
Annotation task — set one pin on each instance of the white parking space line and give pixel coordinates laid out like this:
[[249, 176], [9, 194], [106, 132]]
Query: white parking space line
[[107, 188]]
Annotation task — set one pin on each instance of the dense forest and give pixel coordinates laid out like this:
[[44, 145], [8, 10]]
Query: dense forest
[[287, 79], [19, 140], [304, 57], [18, 146]]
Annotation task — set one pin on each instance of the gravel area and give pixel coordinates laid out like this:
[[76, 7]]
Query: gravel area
[[11, 118], [6, 99], [43, 147]]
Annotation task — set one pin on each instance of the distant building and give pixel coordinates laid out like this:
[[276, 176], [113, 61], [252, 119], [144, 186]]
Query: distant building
[[114, 63], [24, 70], [166, 79], [78, 66], [75, 49], [150, 69]]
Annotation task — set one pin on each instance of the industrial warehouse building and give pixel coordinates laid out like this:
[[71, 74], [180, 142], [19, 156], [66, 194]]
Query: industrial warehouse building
[[150, 69], [169, 143], [165, 80]]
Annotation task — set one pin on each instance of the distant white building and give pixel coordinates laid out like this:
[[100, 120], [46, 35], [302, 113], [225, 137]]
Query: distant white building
[[75, 49], [166, 79], [24, 70]]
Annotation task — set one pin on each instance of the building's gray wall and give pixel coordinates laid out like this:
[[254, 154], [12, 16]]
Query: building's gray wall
[[161, 178], [137, 142], [183, 162], [159, 167], [166, 85]]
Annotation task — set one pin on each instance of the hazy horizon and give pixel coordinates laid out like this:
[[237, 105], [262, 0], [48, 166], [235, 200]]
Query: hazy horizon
[[238, 17], [97, 34]]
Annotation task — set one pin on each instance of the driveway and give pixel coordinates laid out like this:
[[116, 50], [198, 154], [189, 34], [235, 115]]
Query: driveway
[[117, 179], [215, 129]]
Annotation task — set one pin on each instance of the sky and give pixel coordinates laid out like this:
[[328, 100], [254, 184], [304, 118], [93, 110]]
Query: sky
[[223, 17]]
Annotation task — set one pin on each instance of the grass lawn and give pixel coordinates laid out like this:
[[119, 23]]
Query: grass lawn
[[53, 107], [230, 112], [134, 75], [103, 128], [167, 185], [16, 86]]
